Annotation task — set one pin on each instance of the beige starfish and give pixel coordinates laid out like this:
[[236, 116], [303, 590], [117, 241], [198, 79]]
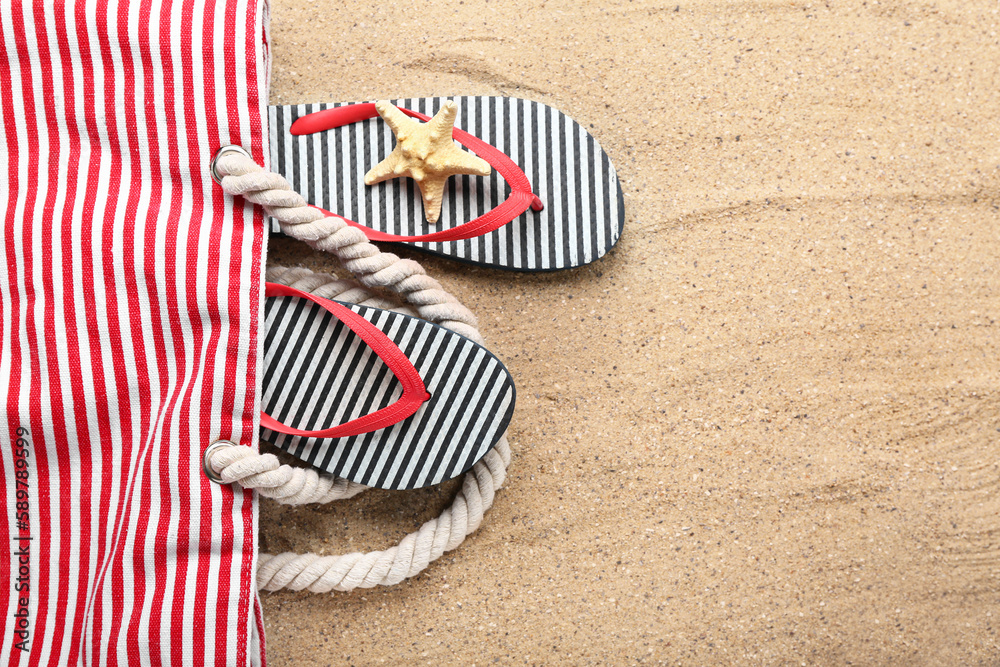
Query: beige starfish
[[426, 153]]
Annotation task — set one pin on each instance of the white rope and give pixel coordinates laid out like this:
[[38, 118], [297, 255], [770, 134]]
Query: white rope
[[291, 485], [321, 574], [373, 268], [284, 483]]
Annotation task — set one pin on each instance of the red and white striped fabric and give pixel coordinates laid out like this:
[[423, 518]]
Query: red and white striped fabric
[[130, 307]]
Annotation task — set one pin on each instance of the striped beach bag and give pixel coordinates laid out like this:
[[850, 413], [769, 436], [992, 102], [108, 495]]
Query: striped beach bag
[[130, 306], [132, 347]]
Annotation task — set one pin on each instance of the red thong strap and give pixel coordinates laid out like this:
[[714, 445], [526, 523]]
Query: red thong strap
[[521, 196], [414, 392]]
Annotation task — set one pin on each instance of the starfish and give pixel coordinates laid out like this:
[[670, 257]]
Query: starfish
[[426, 153]]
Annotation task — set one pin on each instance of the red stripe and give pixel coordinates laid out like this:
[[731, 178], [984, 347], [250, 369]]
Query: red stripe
[[123, 450], [7, 95], [26, 243], [257, 71], [150, 99], [259, 619], [42, 533], [136, 439], [233, 106], [161, 556], [178, 637], [93, 345], [207, 510], [69, 504]]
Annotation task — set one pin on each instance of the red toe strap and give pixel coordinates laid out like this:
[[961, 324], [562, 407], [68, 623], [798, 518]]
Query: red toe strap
[[414, 392], [521, 196]]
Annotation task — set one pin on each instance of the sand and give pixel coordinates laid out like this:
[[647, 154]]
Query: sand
[[765, 429]]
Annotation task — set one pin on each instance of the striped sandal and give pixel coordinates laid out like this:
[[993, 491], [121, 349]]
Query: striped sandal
[[551, 201], [380, 280], [383, 399]]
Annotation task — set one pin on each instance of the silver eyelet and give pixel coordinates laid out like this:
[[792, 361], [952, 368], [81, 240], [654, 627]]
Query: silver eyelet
[[222, 151], [206, 459]]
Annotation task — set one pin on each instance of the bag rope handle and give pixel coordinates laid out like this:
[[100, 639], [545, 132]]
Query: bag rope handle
[[238, 174]]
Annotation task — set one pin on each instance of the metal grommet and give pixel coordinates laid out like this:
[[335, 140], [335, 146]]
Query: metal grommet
[[222, 151], [206, 459]]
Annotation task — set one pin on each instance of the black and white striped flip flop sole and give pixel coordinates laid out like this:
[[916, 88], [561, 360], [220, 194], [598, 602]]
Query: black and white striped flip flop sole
[[584, 208], [318, 373]]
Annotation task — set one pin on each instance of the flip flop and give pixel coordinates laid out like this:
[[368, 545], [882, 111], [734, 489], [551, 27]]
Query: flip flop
[[552, 201], [382, 399]]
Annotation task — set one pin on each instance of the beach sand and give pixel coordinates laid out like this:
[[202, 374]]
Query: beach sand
[[765, 429]]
